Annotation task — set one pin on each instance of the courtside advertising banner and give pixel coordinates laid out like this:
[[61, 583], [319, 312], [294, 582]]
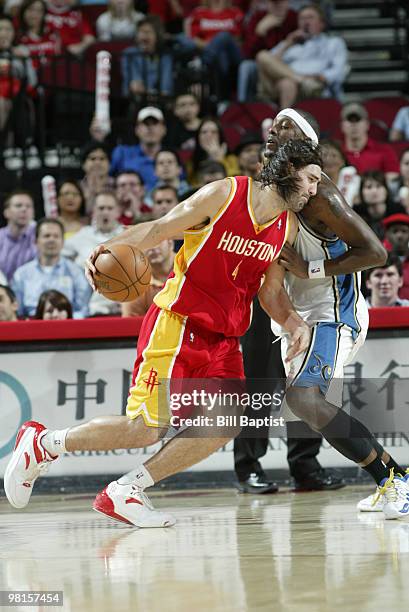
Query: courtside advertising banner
[[64, 388]]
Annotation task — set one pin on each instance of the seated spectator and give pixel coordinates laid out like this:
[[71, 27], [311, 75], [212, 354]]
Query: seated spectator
[[150, 129], [75, 32], [210, 171], [264, 30], [375, 201], [130, 192], [53, 306], [397, 241], [308, 62], [95, 164], [345, 177], [183, 129], [168, 169], [361, 151], [214, 30], [104, 226], [400, 125], [119, 21], [384, 283], [400, 186], [147, 68], [49, 270], [71, 208], [8, 304], [248, 153], [16, 69], [210, 145], [17, 239], [161, 260], [164, 198], [41, 42]]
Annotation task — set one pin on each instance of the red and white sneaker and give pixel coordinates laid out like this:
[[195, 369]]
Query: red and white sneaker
[[129, 504], [28, 461]]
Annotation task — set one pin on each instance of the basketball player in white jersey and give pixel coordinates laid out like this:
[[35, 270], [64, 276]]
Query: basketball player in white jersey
[[323, 283]]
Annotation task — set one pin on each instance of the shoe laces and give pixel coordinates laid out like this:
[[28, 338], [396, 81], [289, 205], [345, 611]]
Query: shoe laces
[[136, 491], [375, 497], [388, 489]]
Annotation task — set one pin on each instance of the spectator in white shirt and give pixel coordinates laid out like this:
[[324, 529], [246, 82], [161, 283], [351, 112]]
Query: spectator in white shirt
[[104, 227], [119, 22]]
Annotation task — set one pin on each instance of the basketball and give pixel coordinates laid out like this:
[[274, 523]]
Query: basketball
[[123, 273]]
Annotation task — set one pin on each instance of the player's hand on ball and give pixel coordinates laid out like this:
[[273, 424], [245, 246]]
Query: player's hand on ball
[[299, 341], [90, 268], [293, 262]]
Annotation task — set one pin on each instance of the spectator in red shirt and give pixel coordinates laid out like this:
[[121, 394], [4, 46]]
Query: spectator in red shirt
[[361, 151], [16, 70], [35, 35], [265, 30], [214, 30], [397, 241], [75, 32]]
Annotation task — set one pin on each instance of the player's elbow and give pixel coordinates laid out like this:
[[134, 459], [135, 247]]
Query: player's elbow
[[378, 254]]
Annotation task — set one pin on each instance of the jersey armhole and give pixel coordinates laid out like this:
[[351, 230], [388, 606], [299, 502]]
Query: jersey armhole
[[222, 209]]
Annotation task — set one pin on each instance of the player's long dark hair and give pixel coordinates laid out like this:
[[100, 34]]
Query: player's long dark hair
[[281, 169]]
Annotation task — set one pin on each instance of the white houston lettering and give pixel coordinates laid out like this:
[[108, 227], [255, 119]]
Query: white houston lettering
[[233, 243]]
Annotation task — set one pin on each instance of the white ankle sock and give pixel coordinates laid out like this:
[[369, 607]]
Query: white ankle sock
[[139, 476], [54, 441]]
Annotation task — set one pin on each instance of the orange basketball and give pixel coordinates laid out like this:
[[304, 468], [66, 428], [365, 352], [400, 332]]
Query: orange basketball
[[123, 273]]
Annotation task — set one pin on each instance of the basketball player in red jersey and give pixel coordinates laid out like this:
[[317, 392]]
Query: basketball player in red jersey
[[234, 231]]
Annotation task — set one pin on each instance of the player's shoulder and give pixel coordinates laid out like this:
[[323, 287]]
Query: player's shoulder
[[222, 187], [327, 192]]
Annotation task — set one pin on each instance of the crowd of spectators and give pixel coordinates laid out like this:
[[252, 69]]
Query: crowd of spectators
[[286, 55]]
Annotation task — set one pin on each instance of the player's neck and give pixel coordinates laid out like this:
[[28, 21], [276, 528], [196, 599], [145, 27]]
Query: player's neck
[[267, 203]]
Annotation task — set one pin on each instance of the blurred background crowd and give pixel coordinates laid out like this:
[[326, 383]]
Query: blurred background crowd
[[194, 89]]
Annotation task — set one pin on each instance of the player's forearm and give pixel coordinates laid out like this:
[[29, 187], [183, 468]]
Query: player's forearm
[[143, 235], [355, 260], [278, 306]]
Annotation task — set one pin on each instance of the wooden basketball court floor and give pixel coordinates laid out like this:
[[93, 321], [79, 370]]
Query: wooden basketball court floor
[[308, 552]]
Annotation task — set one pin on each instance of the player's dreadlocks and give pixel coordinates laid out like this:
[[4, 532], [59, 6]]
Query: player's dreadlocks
[[281, 169]]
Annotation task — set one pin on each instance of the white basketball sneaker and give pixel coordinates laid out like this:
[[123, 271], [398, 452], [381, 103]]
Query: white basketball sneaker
[[372, 503], [396, 493], [28, 461], [129, 504]]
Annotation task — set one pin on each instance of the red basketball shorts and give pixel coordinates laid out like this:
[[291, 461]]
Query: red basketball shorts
[[170, 346]]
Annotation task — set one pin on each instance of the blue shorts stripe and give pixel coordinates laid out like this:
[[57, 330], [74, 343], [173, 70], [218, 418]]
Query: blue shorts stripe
[[319, 368]]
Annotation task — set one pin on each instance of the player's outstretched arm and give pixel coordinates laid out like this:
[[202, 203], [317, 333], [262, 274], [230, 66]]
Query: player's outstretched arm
[[194, 212], [275, 301], [365, 249]]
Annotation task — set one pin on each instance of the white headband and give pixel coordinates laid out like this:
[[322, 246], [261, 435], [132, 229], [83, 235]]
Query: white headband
[[300, 121]]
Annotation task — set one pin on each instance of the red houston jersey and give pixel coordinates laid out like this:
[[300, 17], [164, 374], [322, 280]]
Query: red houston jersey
[[219, 268]]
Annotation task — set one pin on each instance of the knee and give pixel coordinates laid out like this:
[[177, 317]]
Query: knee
[[263, 58], [304, 403], [148, 435]]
